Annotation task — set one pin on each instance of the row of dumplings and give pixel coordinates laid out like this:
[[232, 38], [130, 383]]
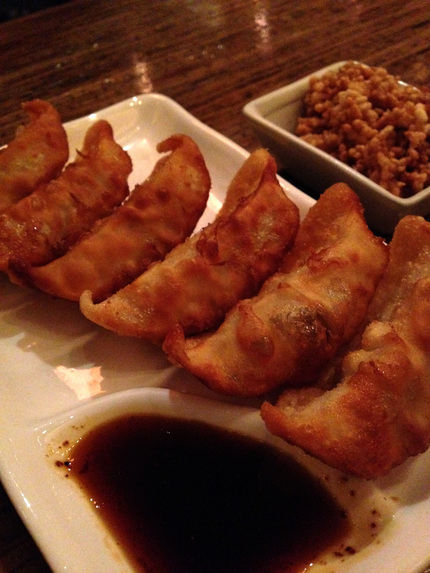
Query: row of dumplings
[[322, 313]]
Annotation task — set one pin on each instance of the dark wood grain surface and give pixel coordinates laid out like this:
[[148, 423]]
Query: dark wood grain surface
[[211, 56]]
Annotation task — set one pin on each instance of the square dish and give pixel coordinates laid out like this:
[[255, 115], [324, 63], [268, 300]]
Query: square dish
[[274, 117], [59, 370]]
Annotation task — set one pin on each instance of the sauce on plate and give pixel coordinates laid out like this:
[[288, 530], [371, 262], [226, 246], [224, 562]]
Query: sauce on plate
[[181, 496]]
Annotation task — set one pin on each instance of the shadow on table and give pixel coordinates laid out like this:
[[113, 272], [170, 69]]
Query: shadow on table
[[10, 9]]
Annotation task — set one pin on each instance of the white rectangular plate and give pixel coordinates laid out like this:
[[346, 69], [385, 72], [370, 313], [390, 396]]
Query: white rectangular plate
[[56, 364]]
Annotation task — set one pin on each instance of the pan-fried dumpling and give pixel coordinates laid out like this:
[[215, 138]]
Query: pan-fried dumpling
[[45, 224], [202, 278], [159, 214], [302, 315], [36, 155], [378, 413]]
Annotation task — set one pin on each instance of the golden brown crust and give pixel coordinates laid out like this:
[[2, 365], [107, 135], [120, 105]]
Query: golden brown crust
[[45, 224], [36, 155], [246, 180], [302, 315], [201, 279], [159, 214], [379, 412]]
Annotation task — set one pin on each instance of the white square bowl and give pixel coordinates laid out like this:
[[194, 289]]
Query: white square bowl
[[274, 117]]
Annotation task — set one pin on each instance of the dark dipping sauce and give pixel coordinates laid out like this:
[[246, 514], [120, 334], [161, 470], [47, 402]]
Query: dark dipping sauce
[[185, 497]]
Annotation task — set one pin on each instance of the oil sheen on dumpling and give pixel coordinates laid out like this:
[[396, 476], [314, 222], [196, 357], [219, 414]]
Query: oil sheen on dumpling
[[201, 279], [302, 315], [159, 214], [378, 413], [43, 225], [36, 155]]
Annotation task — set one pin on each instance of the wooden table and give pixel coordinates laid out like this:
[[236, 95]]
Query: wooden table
[[211, 56]]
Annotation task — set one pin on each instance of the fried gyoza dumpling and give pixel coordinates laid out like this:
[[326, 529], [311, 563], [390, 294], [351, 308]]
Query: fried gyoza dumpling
[[45, 224], [36, 155], [159, 214], [302, 315], [378, 414], [202, 278]]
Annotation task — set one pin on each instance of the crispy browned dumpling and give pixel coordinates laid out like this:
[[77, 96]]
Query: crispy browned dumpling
[[36, 155], [159, 214], [45, 224], [302, 315], [378, 414], [202, 278]]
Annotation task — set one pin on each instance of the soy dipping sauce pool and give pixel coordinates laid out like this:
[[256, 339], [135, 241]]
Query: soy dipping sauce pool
[[182, 496]]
